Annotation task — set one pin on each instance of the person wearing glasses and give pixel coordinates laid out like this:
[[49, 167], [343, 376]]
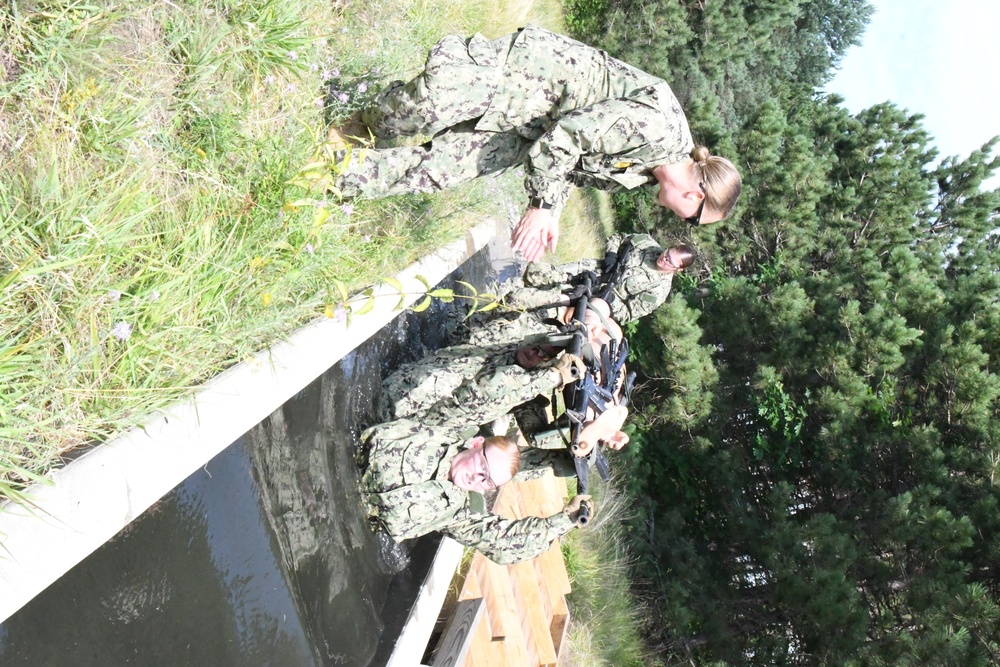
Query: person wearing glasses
[[644, 283], [428, 473], [568, 113]]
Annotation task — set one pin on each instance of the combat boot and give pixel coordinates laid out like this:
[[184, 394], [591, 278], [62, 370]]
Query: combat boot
[[352, 132]]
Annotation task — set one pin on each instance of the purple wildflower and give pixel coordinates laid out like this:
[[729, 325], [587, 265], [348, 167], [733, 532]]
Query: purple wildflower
[[340, 314], [114, 295], [343, 97], [319, 103], [348, 209], [292, 55], [154, 295], [269, 79], [122, 331], [368, 237], [310, 249], [363, 87]]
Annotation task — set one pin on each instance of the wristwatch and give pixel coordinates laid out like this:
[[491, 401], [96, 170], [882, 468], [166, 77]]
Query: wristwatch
[[536, 202]]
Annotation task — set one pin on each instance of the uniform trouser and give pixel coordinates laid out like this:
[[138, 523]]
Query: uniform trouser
[[459, 80], [457, 155]]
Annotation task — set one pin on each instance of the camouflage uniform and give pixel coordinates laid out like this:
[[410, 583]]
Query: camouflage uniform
[[415, 387], [569, 112], [407, 474], [642, 290]]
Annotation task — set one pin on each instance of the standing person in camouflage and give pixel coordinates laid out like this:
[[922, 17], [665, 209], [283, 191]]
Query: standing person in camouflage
[[429, 473], [646, 279], [572, 115]]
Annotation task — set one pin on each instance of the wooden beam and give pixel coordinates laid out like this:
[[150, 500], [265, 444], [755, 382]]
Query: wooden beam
[[458, 633], [533, 620]]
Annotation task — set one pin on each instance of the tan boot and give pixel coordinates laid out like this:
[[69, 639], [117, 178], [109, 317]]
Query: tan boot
[[352, 132]]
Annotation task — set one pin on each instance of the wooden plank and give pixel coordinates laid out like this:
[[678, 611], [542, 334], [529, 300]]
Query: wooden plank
[[551, 567], [458, 633], [534, 622], [481, 652], [507, 623], [559, 630]]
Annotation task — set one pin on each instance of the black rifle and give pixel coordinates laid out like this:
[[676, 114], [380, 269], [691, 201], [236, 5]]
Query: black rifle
[[587, 392]]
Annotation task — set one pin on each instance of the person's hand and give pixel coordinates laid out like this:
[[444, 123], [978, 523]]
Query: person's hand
[[575, 505], [534, 231], [570, 368], [616, 441], [605, 428]]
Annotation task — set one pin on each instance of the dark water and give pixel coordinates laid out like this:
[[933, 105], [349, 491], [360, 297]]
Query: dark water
[[263, 557]]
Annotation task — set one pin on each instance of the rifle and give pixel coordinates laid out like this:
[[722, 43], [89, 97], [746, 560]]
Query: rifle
[[587, 392]]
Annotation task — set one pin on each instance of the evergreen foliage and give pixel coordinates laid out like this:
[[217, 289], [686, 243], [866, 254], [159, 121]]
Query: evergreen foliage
[[815, 463]]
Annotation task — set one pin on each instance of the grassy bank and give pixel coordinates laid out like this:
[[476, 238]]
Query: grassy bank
[[147, 236], [607, 618]]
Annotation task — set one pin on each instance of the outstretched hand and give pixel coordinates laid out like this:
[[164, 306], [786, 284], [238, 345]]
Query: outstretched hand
[[536, 230]]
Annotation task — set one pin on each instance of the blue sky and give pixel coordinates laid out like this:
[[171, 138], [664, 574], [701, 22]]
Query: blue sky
[[938, 58]]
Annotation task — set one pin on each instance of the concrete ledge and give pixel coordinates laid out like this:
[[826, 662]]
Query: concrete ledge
[[93, 498], [419, 625]]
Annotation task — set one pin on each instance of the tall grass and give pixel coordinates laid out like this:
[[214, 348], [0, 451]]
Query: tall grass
[[605, 629], [148, 237]]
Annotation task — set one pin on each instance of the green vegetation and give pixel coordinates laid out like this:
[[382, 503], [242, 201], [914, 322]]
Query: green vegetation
[[813, 463], [607, 620], [148, 236]]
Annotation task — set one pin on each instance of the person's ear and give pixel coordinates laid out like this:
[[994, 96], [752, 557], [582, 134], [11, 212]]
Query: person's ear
[[477, 442]]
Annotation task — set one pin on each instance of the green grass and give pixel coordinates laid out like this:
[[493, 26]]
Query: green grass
[[605, 629], [147, 240]]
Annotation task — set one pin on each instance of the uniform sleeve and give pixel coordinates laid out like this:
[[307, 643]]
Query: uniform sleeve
[[606, 128], [490, 395], [506, 541]]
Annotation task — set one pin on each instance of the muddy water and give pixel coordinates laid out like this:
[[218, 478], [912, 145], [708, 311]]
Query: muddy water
[[264, 556]]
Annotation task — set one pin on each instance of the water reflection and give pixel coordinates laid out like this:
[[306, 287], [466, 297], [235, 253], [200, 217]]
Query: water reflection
[[261, 558]]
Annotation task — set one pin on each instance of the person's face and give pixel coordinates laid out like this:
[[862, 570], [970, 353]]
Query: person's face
[[683, 197], [669, 262], [531, 356], [480, 468]]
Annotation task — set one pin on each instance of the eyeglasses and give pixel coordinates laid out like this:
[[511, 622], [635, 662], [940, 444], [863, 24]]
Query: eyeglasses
[[695, 219], [483, 474]]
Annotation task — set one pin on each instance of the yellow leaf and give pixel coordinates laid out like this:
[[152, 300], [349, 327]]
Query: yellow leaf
[[320, 215], [369, 304], [422, 306], [328, 311], [423, 280], [265, 298], [394, 284], [489, 306], [471, 288]]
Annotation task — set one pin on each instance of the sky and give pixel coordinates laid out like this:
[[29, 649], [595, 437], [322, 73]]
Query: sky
[[940, 58]]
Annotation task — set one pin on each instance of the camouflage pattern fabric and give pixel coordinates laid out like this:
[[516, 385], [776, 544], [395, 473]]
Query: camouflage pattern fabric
[[568, 112], [407, 474], [413, 388], [642, 289], [508, 328]]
